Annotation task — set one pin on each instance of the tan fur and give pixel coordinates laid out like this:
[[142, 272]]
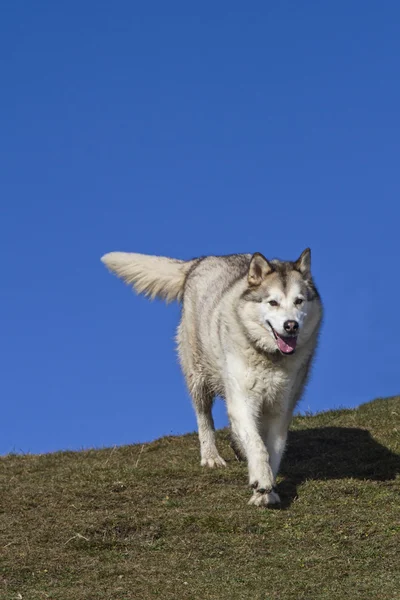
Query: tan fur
[[153, 276]]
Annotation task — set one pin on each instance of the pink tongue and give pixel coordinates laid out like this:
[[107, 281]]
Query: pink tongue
[[286, 345]]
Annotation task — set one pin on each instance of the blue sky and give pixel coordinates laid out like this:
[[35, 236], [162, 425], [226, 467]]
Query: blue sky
[[185, 129]]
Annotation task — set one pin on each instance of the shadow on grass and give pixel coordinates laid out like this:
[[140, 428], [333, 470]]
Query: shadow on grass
[[333, 453]]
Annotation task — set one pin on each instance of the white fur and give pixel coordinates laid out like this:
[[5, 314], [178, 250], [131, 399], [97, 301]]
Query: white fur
[[227, 348], [150, 275], [268, 499], [253, 397], [274, 434], [286, 309], [208, 450]]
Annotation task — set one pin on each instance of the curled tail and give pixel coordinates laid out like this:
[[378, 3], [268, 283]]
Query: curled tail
[[153, 276]]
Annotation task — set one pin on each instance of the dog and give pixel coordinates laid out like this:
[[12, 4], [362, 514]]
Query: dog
[[248, 333]]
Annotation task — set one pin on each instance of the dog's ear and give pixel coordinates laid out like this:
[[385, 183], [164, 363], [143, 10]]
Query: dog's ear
[[303, 263], [259, 268]]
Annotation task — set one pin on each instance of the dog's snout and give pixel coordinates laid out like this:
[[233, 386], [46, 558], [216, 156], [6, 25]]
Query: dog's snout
[[291, 326]]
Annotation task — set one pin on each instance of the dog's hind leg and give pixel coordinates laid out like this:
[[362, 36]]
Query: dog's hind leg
[[201, 394], [275, 426], [202, 402], [237, 446]]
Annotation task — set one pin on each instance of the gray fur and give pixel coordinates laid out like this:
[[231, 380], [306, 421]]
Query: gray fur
[[234, 310]]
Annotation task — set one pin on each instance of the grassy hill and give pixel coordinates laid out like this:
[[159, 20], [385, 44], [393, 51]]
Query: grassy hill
[[147, 522]]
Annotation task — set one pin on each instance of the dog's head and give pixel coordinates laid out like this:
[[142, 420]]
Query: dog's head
[[280, 307]]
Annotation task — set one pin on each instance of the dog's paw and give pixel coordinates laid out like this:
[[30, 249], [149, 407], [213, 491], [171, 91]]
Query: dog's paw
[[262, 497], [212, 462]]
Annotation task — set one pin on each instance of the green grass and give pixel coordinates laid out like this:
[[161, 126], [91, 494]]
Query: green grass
[[147, 522]]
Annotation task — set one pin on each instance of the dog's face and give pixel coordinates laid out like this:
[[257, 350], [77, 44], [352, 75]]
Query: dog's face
[[280, 308]]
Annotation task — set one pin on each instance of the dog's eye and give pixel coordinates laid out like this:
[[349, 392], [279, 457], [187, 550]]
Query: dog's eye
[[272, 303], [298, 301]]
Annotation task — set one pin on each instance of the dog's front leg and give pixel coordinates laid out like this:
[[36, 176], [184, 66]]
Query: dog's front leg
[[243, 414], [274, 429]]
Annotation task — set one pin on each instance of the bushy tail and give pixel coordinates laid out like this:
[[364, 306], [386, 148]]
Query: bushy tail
[[153, 276]]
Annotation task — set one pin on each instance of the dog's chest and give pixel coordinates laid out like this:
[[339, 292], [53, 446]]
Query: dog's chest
[[267, 383], [261, 380]]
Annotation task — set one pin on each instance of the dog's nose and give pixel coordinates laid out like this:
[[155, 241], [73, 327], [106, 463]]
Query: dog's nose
[[291, 326]]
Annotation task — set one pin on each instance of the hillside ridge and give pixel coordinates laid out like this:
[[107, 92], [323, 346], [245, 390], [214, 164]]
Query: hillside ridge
[[146, 521]]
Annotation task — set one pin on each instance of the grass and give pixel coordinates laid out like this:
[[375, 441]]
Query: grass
[[147, 522]]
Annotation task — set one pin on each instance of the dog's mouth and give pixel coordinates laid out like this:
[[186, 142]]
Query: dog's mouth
[[286, 345]]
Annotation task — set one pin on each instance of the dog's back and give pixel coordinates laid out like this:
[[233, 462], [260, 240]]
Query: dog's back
[[206, 289]]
